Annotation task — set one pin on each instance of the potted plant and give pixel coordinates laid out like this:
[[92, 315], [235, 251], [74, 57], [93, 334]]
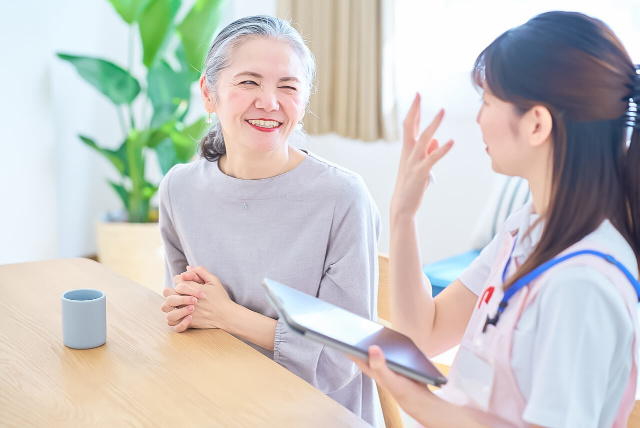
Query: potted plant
[[173, 53]]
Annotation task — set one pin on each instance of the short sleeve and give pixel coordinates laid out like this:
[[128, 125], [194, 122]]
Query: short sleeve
[[475, 276]]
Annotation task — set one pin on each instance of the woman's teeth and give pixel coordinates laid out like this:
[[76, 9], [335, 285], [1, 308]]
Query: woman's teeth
[[264, 123]]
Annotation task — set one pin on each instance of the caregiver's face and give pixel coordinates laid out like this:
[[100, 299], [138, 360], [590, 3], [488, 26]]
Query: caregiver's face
[[499, 122]]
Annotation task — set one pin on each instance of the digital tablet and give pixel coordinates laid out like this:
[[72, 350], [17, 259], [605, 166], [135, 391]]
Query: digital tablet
[[343, 330]]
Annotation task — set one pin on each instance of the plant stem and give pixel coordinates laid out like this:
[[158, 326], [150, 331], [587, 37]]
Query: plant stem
[[138, 205], [130, 69], [130, 65], [133, 124], [122, 121]]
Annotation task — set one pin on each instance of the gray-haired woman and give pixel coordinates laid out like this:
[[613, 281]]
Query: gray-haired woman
[[255, 206]]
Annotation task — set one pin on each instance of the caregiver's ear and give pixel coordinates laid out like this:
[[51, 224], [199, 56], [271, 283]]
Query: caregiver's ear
[[537, 125]]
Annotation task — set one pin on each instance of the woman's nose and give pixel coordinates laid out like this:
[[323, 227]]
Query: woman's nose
[[267, 101]]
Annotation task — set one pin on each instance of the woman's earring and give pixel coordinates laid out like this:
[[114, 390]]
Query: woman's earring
[[299, 126], [209, 120]]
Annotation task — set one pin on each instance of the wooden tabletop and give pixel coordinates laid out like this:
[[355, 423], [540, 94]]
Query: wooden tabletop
[[145, 375]]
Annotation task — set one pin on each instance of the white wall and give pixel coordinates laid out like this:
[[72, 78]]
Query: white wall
[[448, 214], [27, 190], [53, 188]]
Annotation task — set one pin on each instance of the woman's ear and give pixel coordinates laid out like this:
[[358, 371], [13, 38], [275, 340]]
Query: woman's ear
[[207, 96], [538, 125]]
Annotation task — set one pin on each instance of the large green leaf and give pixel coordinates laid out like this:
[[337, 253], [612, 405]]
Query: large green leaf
[[155, 23], [166, 155], [138, 208], [122, 192], [149, 190], [114, 82], [167, 89], [197, 30], [153, 137], [129, 10], [117, 157], [185, 142], [192, 72]]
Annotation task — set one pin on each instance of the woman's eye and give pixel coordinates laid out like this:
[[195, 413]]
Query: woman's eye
[[248, 82], [291, 88]]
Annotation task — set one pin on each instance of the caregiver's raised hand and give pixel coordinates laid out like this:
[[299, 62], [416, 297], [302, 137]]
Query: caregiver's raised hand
[[419, 154]]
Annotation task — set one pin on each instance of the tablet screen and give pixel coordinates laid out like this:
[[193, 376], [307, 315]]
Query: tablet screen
[[351, 333]]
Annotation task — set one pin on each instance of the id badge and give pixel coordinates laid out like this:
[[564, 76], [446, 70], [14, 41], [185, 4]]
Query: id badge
[[475, 376]]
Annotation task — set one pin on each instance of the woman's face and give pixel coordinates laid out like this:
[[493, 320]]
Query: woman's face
[[261, 95], [499, 122]]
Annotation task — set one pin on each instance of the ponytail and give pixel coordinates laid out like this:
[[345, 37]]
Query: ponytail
[[631, 166]]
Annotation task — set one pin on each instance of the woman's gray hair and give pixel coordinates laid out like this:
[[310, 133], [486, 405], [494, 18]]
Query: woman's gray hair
[[220, 55]]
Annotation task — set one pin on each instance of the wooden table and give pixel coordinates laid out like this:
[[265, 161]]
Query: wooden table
[[145, 375]]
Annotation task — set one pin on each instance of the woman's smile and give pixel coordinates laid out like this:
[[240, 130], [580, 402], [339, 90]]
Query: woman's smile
[[264, 125]]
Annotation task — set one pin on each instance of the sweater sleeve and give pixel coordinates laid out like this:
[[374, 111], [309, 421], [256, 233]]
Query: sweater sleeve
[[350, 281], [175, 260]]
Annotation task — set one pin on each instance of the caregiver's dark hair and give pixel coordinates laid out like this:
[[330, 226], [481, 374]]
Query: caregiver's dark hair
[[579, 70]]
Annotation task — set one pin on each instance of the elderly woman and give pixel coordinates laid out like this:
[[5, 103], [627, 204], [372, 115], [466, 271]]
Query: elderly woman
[[254, 207]]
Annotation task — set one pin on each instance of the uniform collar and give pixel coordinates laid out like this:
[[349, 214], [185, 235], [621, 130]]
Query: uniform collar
[[522, 224]]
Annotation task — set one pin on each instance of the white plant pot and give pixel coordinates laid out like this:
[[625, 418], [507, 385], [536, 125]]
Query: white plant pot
[[134, 250]]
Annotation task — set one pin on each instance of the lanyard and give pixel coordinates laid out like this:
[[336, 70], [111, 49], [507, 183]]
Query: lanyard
[[525, 280]]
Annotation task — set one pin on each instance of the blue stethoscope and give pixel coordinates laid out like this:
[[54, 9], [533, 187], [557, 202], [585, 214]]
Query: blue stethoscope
[[525, 280]]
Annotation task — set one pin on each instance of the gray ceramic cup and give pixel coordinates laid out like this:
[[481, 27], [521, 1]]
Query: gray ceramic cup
[[84, 318]]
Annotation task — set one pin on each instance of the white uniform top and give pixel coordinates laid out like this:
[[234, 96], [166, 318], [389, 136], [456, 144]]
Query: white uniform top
[[571, 352]]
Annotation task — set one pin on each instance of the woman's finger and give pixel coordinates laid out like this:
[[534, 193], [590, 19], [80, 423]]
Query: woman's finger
[[175, 316], [190, 288], [204, 275], [427, 134], [166, 308], [411, 122], [190, 275], [180, 300], [377, 361], [363, 365], [433, 144], [398, 385], [437, 154], [183, 325], [168, 292]]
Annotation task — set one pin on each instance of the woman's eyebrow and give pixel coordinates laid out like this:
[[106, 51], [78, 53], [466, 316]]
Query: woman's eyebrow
[[249, 73], [260, 76], [291, 78]]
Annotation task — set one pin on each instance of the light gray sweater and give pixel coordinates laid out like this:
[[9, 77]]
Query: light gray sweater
[[314, 228]]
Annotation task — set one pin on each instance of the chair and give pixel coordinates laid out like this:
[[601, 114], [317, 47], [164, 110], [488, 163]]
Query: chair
[[634, 418], [390, 408]]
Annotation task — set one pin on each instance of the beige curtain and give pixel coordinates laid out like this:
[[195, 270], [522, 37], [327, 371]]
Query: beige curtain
[[352, 41]]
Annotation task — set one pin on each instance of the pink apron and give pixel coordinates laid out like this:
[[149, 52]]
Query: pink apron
[[481, 378]]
